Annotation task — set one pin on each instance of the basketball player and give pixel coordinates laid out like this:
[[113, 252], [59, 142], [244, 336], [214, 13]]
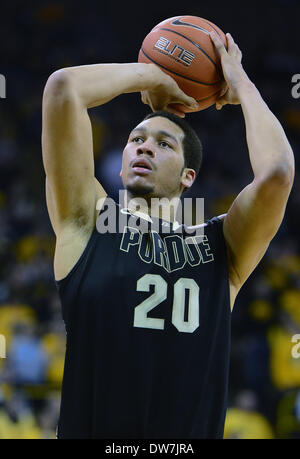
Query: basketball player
[[147, 314]]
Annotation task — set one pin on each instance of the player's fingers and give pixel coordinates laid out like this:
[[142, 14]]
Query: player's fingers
[[149, 102], [189, 102], [224, 90], [220, 103], [239, 54], [231, 43], [218, 43], [143, 97], [146, 100], [233, 48]]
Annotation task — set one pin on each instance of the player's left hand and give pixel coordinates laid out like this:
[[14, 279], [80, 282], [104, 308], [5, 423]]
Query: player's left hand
[[233, 71]]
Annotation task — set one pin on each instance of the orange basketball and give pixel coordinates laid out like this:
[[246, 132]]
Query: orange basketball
[[181, 47]]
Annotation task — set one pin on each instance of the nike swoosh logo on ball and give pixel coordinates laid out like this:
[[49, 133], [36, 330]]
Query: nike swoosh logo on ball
[[188, 24]]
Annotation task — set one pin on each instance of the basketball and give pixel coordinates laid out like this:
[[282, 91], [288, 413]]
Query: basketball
[[181, 47]]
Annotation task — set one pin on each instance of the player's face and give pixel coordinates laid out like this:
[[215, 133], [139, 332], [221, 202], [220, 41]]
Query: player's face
[[153, 161]]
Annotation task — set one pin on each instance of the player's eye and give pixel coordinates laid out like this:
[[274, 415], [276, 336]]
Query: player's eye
[[164, 144], [138, 140]]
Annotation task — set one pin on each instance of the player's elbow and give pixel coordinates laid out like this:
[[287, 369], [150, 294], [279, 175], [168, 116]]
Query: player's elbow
[[283, 175], [59, 85], [278, 181]]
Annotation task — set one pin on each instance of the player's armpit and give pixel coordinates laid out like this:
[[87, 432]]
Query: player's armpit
[[67, 155], [251, 223]]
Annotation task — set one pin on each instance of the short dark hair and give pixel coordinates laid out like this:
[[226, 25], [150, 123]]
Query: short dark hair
[[192, 146]]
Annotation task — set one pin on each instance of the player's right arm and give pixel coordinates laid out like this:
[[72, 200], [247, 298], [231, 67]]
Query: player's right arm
[[71, 188]]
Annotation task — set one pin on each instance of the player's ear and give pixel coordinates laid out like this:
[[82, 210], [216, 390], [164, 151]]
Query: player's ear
[[187, 178], [121, 173]]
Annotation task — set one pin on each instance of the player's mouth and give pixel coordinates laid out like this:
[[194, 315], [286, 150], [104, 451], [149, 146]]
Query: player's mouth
[[142, 166]]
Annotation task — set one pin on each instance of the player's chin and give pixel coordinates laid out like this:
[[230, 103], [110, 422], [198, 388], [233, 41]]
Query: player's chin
[[140, 188]]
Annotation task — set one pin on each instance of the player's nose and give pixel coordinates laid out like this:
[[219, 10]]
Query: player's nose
[[147, 148]]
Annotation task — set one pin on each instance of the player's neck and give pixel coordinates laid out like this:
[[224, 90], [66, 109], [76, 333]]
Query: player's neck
[[163, 208]]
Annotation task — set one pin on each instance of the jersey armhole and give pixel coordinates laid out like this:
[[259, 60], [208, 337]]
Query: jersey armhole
[[218, 222], [100, 206]]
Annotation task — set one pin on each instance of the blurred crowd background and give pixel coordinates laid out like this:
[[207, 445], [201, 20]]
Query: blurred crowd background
[[38, 38]]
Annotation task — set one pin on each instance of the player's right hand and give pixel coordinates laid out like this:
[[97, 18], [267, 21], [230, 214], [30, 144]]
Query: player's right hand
[[165, 92], [234, 74]]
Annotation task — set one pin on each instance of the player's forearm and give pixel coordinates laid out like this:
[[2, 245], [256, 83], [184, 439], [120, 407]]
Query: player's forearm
[[97, 84], [270, 152]]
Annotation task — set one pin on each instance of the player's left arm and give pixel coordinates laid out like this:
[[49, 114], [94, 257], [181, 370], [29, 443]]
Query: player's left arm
[[256, 214]]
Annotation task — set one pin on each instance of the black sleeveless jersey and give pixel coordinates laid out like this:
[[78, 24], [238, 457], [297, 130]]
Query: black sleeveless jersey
[[147, 316]]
